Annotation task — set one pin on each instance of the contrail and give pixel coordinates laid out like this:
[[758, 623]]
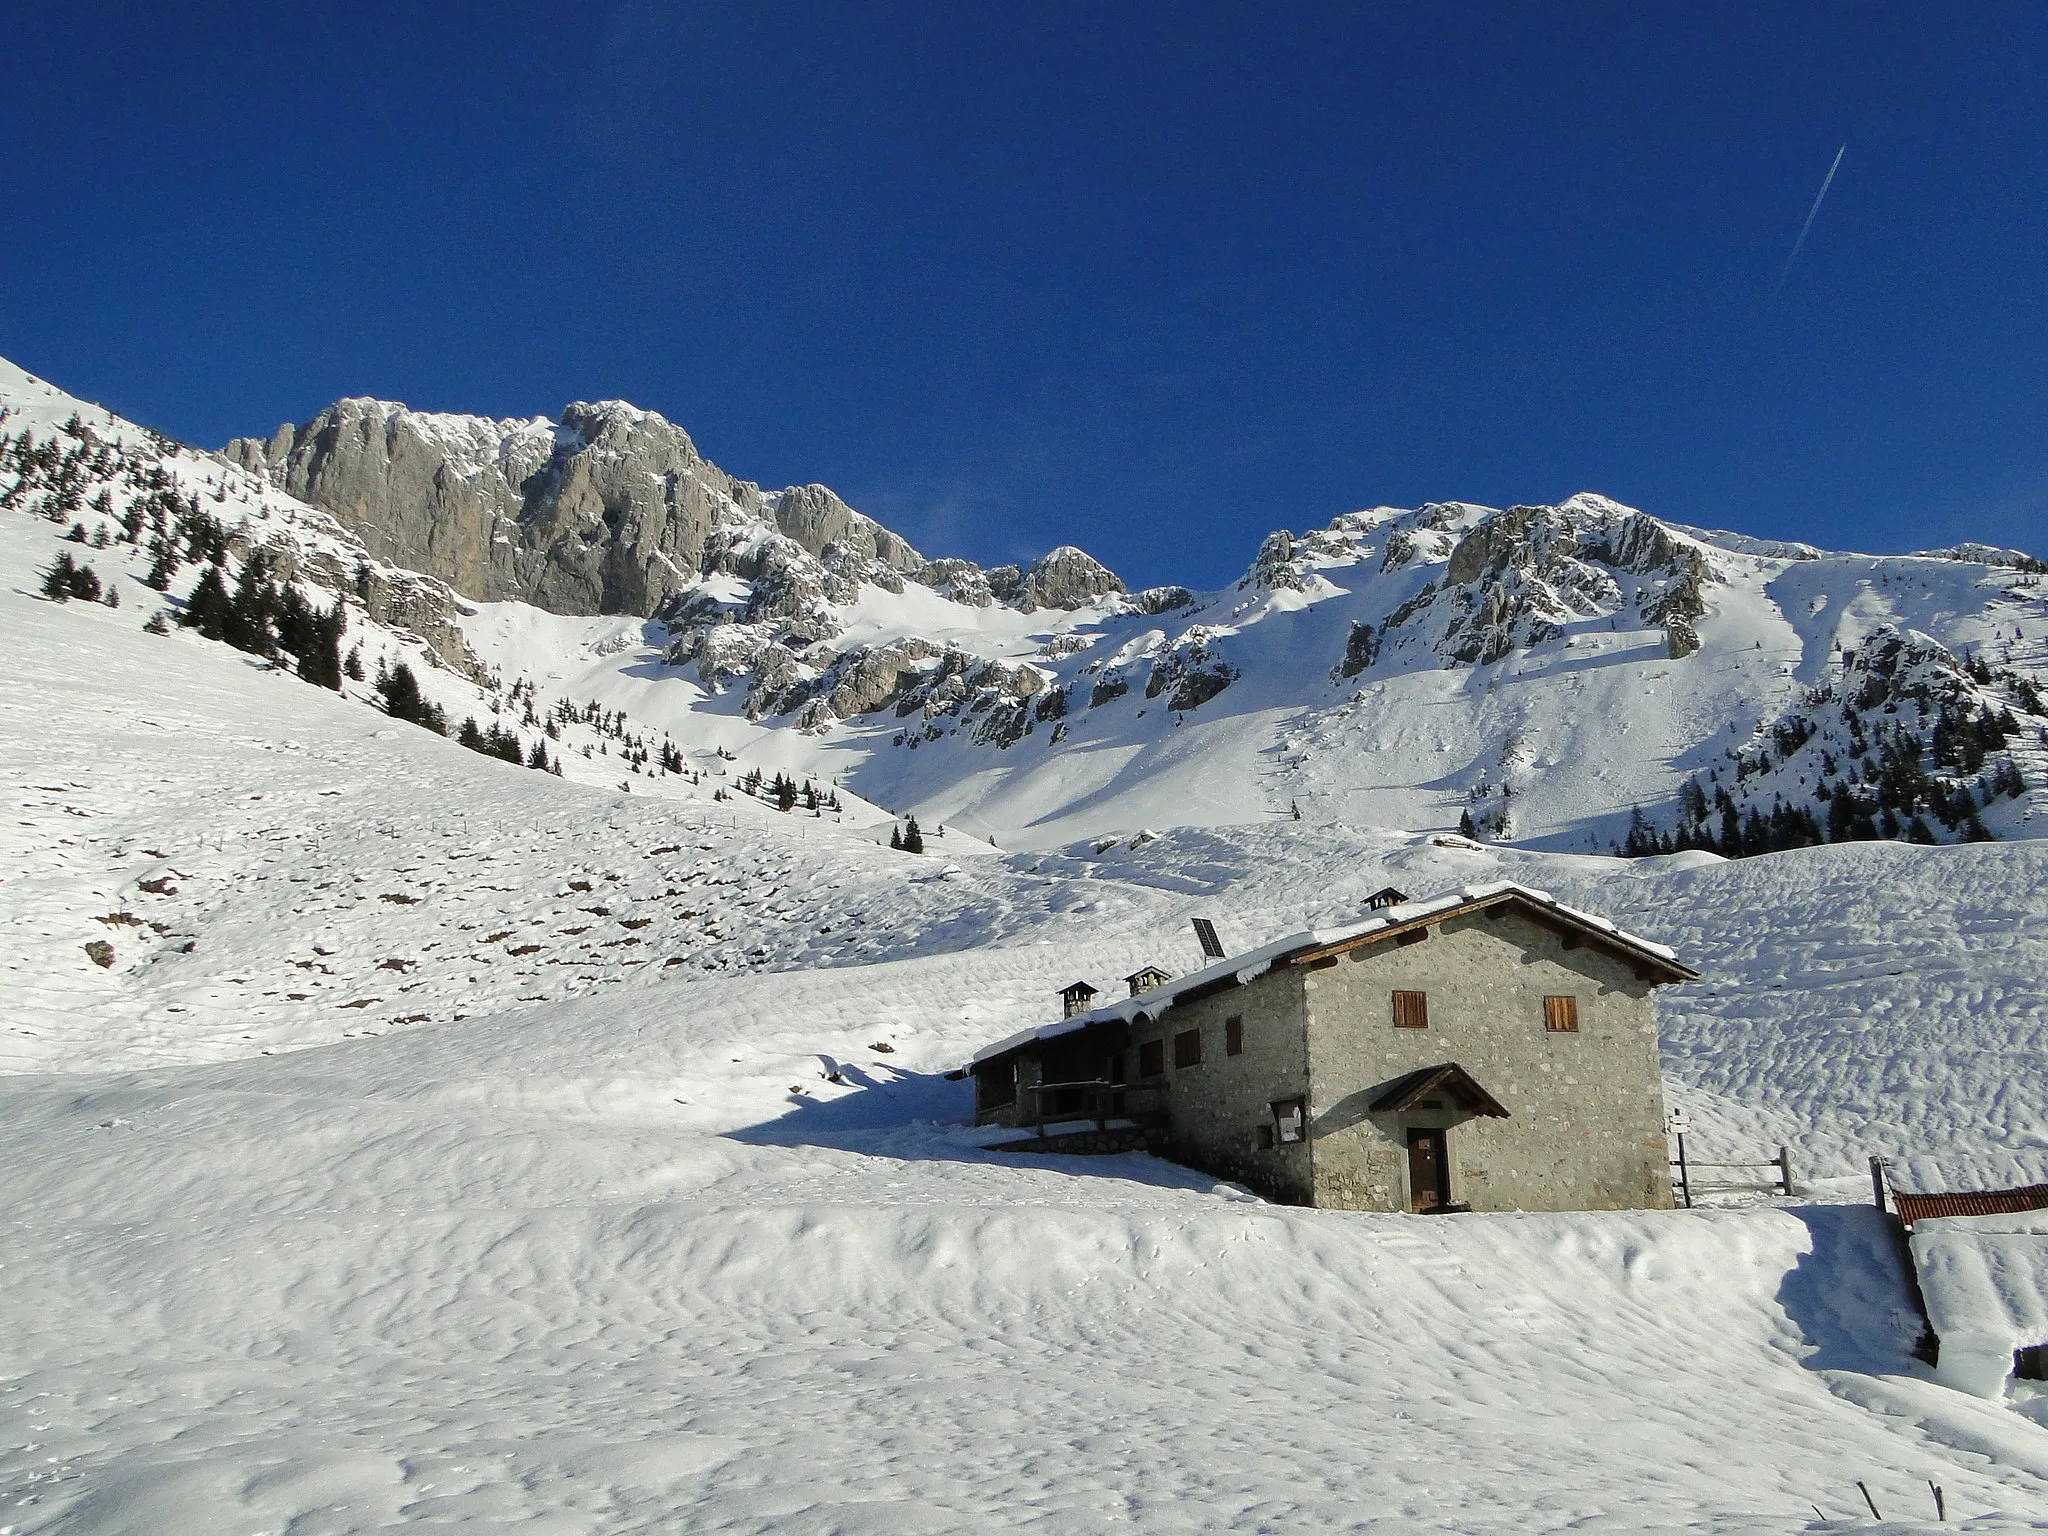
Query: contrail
[[1826, 182]]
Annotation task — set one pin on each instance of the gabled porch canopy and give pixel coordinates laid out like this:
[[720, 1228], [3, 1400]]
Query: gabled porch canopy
[[1447, 1081]]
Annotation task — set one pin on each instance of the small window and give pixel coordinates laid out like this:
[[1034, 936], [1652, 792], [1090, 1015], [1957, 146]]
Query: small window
[[1561, 1015], [998, 1085], [1233, 1037], [1151, 1058], [1265, 1138], [1187, 1048], [1411, 1010], [1290, 1120]]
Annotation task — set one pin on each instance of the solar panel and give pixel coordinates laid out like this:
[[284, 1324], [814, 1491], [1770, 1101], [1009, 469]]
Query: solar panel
[[1206, 932]]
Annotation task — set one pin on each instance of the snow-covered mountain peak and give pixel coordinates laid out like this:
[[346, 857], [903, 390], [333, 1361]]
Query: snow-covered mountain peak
[[1536, 671]]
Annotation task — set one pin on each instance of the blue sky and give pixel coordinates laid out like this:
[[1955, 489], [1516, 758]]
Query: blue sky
[[1150, 279]]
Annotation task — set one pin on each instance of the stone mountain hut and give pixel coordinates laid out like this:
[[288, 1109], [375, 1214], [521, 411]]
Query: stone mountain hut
[[1488, 1050]]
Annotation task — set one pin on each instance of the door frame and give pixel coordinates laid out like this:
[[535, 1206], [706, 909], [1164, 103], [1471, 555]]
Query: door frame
[[1446, 1195]]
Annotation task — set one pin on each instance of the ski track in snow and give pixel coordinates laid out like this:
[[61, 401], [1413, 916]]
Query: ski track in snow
[[576, 1240]]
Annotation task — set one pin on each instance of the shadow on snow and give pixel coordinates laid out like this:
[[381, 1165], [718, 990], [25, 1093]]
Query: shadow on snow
[[1850, 1295], [921, 1117]]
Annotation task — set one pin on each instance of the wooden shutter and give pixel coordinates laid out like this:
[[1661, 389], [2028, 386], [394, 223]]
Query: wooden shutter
[[1411, 1010], [1233, 1037], [1187, 1048], [1561, 1015], [1151, 1058]]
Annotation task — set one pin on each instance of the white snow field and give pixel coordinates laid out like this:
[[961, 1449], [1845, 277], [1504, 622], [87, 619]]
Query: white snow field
[[349, 1216]]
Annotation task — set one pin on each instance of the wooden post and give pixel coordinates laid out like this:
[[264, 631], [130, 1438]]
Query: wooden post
[[1684, 1178], [1785, 1170], [1869, 1500], [1877, 1181], [1940, 1504]]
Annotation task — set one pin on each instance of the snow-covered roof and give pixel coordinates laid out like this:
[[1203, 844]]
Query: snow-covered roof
[[1985, 1281], [1255, 963]]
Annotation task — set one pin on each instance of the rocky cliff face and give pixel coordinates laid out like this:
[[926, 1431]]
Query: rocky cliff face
[[608, 510], [611, 509], [1502, 581]]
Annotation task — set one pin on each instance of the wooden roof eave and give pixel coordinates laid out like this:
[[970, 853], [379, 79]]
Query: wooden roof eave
[[1642, 959], [1447, 1079]]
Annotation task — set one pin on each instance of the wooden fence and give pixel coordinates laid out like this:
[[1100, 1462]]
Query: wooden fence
[[1686, 1186]]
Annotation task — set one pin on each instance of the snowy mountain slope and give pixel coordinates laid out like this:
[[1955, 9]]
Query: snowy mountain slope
[[322, 919], [1541, 672], [612, 1251], [147, 518], [276, 866], [1543, 703]]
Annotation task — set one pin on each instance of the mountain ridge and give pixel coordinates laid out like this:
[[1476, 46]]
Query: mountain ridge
[[1573, 676], [609, 508]]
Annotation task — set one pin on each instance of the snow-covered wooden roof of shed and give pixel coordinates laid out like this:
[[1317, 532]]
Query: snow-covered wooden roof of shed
[[1254, 963]]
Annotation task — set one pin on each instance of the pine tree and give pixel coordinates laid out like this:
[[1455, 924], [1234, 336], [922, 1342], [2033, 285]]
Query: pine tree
[[209, 609], [1465, 827], [1841, 817], [57, 579], [895, 837], [1640, 840], [353, 667], [913, 838], [320, 660], [400, 691], [251, 608], [163, 564]]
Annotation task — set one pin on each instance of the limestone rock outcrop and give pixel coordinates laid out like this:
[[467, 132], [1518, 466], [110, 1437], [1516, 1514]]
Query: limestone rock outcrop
[[1517, 577], [611, 509], [1066, 578]]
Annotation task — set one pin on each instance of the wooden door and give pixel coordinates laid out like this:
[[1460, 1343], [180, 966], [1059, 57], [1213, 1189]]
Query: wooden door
[[1429, 1171]]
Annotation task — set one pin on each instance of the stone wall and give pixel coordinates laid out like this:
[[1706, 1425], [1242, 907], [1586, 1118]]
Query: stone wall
[[1219, 1107], [1585, 1125], [1105, 1143]]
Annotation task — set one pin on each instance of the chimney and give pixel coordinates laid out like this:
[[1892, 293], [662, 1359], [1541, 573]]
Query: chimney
[[1074, 998]]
